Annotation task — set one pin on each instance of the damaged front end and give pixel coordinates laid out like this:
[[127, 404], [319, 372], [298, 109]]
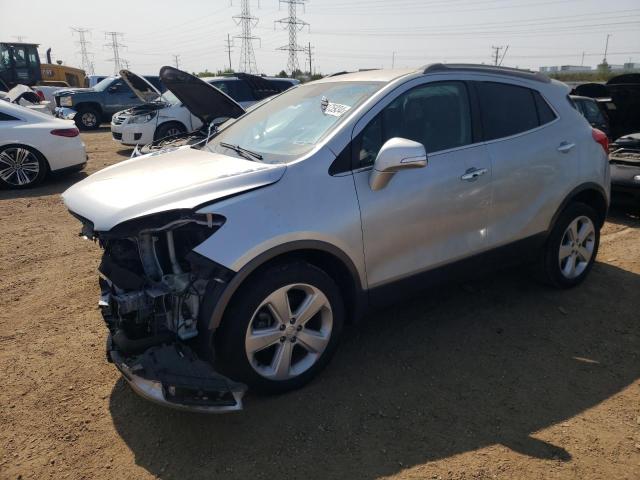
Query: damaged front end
[[152, 289]]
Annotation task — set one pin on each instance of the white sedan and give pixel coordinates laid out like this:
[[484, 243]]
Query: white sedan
[[33, 144]]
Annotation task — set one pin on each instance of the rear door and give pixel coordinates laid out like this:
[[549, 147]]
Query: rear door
[[429, 216], [533, 158]]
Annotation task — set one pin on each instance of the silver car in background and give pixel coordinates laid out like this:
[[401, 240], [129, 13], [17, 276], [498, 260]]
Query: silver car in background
[[238, 262]]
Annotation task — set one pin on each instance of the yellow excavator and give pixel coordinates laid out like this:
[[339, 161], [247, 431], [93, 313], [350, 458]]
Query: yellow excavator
[[20, 64]]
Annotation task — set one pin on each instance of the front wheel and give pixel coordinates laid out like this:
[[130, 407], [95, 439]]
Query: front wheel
[[87, 118], [572, 246], [281, 328]]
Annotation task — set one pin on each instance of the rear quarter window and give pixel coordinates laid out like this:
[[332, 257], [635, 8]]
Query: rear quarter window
[[545, 114]]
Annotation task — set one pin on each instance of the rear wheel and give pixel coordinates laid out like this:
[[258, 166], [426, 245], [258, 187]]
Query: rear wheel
[[21, 167], [87, 118], [281, 328], [572, 246]]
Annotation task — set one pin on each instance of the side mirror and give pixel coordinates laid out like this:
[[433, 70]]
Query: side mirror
[[395, 155], [113, 89]]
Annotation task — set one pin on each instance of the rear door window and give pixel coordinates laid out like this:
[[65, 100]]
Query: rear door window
[[506, 109]]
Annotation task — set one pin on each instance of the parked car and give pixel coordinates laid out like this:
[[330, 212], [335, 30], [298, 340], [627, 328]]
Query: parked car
[[625, 171], [166, 115], [245, 256], [27, 97], [592, 111], [34, 144], [96, 105]]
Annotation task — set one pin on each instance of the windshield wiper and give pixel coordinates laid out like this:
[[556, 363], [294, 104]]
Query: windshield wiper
[[242, 151]]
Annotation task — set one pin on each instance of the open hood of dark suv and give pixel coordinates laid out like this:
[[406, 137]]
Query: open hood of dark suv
[[202, 99], [141, 87]]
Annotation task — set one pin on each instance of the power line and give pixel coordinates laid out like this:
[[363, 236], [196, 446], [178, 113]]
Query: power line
[[118, 62], [229, 48], [87, 64], [293, 24], [246, 22]]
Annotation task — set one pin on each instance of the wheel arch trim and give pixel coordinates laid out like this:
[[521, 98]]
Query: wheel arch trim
[[227, 291], [575, 193]]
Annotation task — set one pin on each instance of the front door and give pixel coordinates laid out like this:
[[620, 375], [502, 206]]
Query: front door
[[429, 216], [120, 96]]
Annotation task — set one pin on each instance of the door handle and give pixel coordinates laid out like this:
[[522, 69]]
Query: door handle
[[565, 147], [473, 173]]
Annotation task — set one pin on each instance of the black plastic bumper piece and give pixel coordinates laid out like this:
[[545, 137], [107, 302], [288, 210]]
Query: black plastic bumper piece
[[172, 375]]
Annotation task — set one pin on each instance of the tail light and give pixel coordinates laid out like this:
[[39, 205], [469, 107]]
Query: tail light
[[65, 132], [40, 95], [600, 137]]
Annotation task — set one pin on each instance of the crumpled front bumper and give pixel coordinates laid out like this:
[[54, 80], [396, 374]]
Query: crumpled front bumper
[[64, 113], [171, 375]]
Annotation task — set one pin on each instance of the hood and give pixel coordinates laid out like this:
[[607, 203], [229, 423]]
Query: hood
[[72, 91], [202, 99], [180, 179], [142, 88]]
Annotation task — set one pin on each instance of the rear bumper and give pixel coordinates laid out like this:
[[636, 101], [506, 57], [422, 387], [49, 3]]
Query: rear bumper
[[625, 190], [172, 376]]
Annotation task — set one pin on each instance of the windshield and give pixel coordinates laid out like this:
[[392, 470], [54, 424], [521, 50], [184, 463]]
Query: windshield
[[103, 84], [169, 97], [291, 124]]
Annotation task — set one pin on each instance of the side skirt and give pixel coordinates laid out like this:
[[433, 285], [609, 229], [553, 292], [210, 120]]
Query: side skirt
[[520, 252]]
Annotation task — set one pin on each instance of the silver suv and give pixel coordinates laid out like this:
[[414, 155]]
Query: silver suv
[[238, 261]]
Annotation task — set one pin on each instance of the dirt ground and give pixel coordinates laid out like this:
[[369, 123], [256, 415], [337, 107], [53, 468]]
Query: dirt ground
[[499, 378]]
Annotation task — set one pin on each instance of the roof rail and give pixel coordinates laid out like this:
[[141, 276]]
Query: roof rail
[[471, 67], [344, 72]]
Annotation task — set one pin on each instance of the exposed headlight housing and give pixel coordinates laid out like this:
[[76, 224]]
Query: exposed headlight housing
[[66, 101], [147, 117]]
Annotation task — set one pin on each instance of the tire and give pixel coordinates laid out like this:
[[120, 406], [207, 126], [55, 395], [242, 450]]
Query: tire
[[21, 167], [252, 343], [87, 118], [565, 263], [168, 129]]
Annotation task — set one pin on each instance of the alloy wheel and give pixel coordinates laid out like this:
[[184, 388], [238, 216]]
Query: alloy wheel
[[289, 331], [18, 166], [89, 119], [576, 247]]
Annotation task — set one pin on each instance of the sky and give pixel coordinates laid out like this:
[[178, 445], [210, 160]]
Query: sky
[[344, 35]]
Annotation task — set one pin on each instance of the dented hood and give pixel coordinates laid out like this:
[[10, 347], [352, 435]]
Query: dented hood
[[142, 88], [201, 98], [181, 179]]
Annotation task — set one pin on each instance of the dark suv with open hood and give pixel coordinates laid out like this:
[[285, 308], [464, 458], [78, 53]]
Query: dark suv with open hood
[[96, 105]]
